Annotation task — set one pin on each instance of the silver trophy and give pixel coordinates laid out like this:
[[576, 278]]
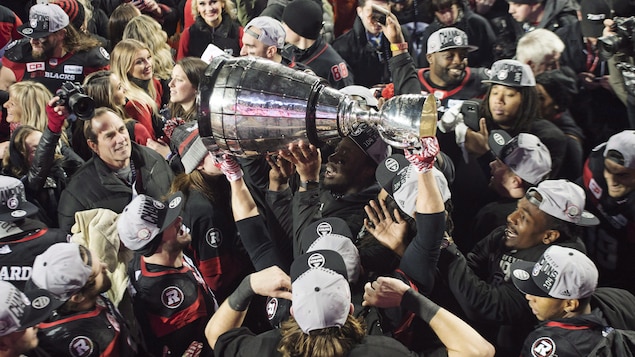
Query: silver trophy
[[250, 106]]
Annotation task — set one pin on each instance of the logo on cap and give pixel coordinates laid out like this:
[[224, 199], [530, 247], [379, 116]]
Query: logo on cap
[[40, 302], [324, 228], [158, 204], [175, 202], [458, 40], [143, 233], [502, 74], [572, 211], [498, 138], [27, 31], [521, 274], [272, 307], [13, 202], [391, 164], [316, 260]]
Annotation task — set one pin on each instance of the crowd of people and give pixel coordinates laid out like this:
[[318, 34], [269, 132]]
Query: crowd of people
[[506, 227]]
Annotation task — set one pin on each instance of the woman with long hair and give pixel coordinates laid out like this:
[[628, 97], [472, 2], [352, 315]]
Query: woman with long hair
[[119, 19], [147, 30], [133, 63], [215, 24], [186, 76]]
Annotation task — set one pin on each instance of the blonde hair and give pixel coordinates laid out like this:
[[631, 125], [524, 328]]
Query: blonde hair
[[328, 342], [97, 85], [147, 30], [229, 9], [32, 98], [121, 61]]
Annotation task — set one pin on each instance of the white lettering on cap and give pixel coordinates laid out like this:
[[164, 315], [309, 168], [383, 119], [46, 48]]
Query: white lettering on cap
[[175, 202], [521, 274], [391, 164], [316, 260]]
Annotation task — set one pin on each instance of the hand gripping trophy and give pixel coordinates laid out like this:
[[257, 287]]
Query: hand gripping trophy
[[250, 106]]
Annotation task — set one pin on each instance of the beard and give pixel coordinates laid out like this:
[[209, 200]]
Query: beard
[[45, 51]]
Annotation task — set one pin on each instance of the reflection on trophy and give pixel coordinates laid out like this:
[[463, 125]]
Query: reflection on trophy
[[249, 106]]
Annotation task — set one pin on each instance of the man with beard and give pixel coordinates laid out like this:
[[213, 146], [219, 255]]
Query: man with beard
[[171, 300], [119, 169], [344, 187], [448, 77], [53, 51], [609, 180], [67, 283]]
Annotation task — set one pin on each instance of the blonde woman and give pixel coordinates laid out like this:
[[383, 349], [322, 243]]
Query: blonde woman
[[27, 105], [147, 30], [215, 24], [132, 61]]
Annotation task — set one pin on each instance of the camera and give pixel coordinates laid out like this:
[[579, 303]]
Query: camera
[[471, 110], [378, 14], [622, 41], [72, 96]]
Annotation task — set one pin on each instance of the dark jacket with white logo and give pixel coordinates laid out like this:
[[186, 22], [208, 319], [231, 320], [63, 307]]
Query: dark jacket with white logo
[[172, 306], [195, 39], [101, 331]]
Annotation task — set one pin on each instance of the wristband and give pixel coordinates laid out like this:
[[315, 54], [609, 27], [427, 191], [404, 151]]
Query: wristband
[[241, 297], [399, 46], [309, 185]]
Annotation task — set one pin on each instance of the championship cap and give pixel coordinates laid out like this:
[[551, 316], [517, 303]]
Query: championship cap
[[560, 273], [321, 294], [44, 19], [74, 9], [271, 31], [525, 155], [620, 148], [60, 271], [13, 203], [511, 73], [369, 140], [17, 311], [399, 178], [562, 199], [448, 38], [144, 218]]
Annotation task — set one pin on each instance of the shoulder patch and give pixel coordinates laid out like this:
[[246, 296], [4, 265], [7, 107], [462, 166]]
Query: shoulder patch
[[214, 237], [81, 346], [104, 53], [543, 347]]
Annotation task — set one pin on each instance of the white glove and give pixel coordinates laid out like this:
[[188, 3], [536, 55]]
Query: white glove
[[459, 135], [450, 119]]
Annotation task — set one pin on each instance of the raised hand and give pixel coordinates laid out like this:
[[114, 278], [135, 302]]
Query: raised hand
[[390, 233]]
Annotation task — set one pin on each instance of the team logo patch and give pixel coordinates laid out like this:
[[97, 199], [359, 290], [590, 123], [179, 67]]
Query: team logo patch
[[53, 62], [521, 274], [13, 202], [158, 204], [175, 202], [27, 31], [316, 260], [172, 297], [391, 164], [572, 211], [498, 138], [104, 53], [81, 346], [272, 307], [458, 40], [40, 302], [18, 213], [543, 347], [143, 233], [324, 228], [214, 237]]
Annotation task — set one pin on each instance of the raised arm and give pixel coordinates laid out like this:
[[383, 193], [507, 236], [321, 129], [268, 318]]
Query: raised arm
[[459, 338]]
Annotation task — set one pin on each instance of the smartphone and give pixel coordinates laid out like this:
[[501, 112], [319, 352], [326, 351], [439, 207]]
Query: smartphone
[[471, 110], [379, 14]]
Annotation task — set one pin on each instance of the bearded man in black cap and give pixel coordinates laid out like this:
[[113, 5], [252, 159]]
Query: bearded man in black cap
[[302, 21]]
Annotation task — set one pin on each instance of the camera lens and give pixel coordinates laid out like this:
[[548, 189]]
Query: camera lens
[[82, 105]]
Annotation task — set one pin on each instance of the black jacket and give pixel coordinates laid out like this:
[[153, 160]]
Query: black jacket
[[577, 336], [369, 66], [481, 284], [196, 38], [322, 59], [96, 186]]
